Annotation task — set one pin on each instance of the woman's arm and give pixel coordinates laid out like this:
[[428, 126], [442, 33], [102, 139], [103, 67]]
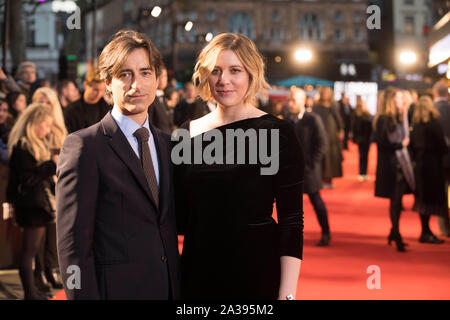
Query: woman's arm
[[289, 203], [290, 272]]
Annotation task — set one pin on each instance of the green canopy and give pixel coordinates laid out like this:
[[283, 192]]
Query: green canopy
[[300, 81]]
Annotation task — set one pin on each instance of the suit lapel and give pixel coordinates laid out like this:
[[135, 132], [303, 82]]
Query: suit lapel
[[120, 145], [164, 171]]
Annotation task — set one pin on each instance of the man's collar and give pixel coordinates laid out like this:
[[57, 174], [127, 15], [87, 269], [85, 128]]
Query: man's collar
[[126, 124], [301, 114]]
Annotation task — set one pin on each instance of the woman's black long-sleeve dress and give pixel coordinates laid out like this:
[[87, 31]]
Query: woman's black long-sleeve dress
[[232, 245], [29, 188]]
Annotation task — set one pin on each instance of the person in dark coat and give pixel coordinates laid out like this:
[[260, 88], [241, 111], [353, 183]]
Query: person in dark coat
[[362, 136], [428, 145], [189, 108], [312, 137], [442, 104], [327, 110], [346, 113], [30, 185], [91, 107], [114, 194], [160, 114], [264, 102], [394, 176]]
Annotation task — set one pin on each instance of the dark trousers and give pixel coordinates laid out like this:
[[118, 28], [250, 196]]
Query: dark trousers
[[346, 137], [321, 211], [363, 157], [443, 221]]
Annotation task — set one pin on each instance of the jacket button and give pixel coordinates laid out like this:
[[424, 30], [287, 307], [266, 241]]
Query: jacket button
[[163, 258]]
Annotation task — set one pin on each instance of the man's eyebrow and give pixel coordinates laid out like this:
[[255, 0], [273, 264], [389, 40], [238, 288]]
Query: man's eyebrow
[[141, 69]]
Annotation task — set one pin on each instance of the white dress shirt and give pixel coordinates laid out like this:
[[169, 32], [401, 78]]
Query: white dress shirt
[[128, 127]]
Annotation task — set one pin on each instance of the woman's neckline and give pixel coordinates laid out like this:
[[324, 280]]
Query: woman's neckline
[[226, 124]]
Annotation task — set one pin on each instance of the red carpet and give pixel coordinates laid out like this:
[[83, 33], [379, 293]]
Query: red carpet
[[360, 225]]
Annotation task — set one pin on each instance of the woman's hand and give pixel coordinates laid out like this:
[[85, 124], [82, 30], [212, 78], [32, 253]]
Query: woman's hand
[[405, 142], [55, 158], [2, 75]]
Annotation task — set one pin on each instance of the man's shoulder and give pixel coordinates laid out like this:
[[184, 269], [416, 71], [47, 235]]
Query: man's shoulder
[[442, 104], [161, 134], [312, 117], [73, 106], [87, 135]]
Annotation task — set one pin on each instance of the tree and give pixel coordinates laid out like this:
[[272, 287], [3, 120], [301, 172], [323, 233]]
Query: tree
[[16, 34]]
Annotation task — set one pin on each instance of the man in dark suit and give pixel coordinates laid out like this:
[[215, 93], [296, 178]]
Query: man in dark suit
[[313, 139], [115, 209], [345, 111], [440, 93], [161, 116]]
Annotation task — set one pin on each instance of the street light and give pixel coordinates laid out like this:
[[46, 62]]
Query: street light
[[408, 57], [156, 11], [188, 26], [209, 36], [303, 55]]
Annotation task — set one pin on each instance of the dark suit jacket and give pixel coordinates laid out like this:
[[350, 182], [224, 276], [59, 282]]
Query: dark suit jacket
[[160, 117], [107, 222], [313, 139], [345, 117], [444, 110]]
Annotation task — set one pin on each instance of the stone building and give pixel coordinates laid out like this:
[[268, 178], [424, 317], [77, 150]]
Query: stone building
[[334, 30]]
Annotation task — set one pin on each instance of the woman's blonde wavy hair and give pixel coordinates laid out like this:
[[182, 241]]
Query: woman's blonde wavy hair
[[245, 49], [59, 131], [387, 107], [23, 132], [425, 111]]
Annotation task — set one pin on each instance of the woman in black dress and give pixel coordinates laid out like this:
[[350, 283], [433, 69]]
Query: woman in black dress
[[233, 248], [30, 185], [429, 147], [394, 176]]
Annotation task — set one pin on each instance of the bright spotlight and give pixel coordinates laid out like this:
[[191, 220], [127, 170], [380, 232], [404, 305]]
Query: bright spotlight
[[188, 26], [303, 55], [156, 11], [209, 37], [408, 57]]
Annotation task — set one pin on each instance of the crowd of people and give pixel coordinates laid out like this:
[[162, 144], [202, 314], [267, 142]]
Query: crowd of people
[[411, 132]]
